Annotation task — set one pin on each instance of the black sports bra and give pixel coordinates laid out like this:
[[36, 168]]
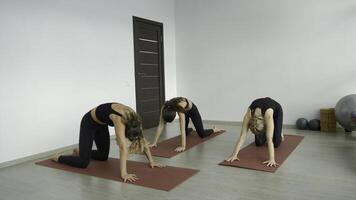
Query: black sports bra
[[103, 112], [264, 104], [187, 106]]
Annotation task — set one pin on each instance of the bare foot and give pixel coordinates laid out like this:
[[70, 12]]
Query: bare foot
[[216, 130], [75, 152], [282, 137], [55, 157]]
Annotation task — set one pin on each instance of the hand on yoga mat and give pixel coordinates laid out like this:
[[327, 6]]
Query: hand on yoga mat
[[233, 158], [129, 177], [271, 163], [152, 145], [154, 164], [179, 149]]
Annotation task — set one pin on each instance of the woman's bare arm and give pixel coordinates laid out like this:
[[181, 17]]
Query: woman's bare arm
[[182, 132], [152, 163], [243, 133], [159, 130], [269, 136], [121, 141]]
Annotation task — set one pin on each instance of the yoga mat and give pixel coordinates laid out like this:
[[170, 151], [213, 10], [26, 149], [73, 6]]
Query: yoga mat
[[166, 148], [157, 178], [251, 157]]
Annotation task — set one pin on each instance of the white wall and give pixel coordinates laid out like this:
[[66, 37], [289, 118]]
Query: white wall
[[58, 59], [299, 52]]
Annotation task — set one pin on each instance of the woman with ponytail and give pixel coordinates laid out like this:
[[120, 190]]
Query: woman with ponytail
[[186, 110], [94, 127]]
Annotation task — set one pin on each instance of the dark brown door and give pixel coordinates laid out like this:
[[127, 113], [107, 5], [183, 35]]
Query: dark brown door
[[149, 70]]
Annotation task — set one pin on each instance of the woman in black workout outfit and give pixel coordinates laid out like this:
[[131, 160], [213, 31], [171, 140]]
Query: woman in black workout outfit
[[186, 110], [94, 127], [264, 118]]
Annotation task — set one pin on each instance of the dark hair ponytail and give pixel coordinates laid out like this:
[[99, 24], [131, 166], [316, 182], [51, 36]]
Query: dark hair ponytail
[[173, 104], [171, 107]]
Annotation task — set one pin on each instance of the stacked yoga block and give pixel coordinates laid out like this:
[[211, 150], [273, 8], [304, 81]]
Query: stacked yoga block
[[327, 120]]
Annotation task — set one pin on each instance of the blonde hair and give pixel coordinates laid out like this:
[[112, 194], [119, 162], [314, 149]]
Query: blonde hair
[[133, 131], [257, 125], [130, 117], [138, 146]]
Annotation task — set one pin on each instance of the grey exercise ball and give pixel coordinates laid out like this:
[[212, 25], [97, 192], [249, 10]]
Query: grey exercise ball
[[302, 123], [344, 110], [314, 125]]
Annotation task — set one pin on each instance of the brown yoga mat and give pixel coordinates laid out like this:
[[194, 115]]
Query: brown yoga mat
[[251, 157], [166, 148], [158, 178]]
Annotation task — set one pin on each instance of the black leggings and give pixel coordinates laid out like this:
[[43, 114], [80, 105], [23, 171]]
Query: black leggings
[[194, 114], [260, 139], [89, 131]]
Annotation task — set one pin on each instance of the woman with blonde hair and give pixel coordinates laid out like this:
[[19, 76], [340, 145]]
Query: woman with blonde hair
[[264, 118], [94, 127]]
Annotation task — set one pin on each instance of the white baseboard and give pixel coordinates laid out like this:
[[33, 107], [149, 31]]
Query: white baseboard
[[36, 156], [43, 155]]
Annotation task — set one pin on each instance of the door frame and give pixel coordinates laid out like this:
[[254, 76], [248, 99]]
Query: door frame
[[161, 59]]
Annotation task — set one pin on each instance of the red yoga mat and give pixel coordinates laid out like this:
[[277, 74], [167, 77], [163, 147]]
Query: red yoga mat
[[157, 178], [166, 148], [251, 157]]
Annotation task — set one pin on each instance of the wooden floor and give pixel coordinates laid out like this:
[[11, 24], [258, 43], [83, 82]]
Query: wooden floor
[[322, 167]]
